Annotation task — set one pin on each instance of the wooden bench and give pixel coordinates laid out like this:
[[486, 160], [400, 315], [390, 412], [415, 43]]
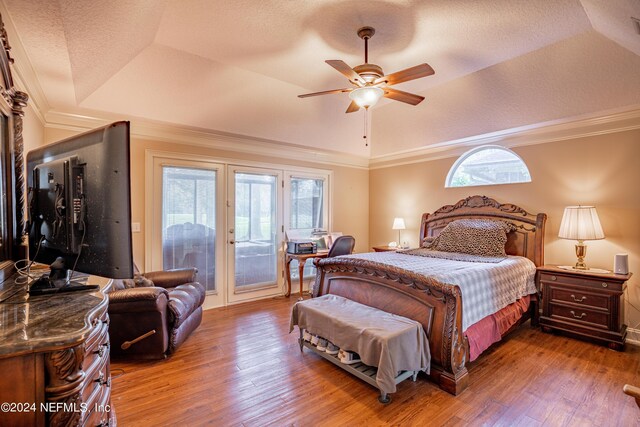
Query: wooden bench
[[392, 348]]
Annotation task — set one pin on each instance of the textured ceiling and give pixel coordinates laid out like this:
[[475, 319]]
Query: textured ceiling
[[237, 66]]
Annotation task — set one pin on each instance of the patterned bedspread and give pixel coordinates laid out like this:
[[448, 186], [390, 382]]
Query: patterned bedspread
[[486, 287]]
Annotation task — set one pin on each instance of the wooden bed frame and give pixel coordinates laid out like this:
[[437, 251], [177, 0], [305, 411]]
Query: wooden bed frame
[[436, 306]]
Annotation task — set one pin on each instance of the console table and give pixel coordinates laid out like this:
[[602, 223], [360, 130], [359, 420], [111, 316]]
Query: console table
[[302, 259], [54, 358]]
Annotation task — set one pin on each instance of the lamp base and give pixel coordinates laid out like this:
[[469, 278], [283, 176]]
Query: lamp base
[[581, 252]]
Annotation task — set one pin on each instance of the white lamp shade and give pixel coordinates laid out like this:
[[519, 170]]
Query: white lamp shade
[[398, 224], [366, 97], [580, 223]]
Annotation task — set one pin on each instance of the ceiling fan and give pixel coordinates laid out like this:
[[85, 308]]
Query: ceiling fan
[[370, 83]]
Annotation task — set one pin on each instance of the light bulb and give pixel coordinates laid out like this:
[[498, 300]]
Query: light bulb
[[367, 96]]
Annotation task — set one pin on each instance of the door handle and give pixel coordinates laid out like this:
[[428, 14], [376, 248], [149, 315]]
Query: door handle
[[231, 242]]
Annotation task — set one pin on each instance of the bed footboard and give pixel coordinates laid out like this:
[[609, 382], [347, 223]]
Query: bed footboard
[[436, 306]]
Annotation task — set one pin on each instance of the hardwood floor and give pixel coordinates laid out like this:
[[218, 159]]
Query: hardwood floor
[[242, 367]]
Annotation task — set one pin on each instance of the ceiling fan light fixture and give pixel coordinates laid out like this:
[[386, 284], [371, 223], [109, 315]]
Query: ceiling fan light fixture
[[366, 97]]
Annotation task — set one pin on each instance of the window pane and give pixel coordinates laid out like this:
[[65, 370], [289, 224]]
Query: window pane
[[188, 221], [307, 204], [488, 166], [255, 229]]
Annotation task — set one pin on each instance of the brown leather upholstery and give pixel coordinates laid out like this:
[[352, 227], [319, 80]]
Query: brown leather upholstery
[[172, 307]]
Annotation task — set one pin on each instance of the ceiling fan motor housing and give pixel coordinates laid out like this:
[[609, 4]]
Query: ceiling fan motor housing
[[369, 72]]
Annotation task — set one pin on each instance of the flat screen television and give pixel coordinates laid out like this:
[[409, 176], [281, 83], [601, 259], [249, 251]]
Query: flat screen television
[[80, 204]]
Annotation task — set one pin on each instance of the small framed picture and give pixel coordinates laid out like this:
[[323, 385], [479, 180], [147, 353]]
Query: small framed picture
[[321, 243]]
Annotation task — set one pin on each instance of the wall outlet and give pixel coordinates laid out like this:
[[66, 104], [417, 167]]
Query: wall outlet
[[135, 227]]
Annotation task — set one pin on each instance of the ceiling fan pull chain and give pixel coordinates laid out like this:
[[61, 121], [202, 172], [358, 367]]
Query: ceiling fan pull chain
[[366, 116]]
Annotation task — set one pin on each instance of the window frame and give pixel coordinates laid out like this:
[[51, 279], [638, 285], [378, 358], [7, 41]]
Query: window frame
[[469, 153], [326, 195], [326, 207]]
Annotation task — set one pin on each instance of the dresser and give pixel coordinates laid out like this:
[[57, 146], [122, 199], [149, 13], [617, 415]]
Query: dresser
[[584, 304], [54, 359]]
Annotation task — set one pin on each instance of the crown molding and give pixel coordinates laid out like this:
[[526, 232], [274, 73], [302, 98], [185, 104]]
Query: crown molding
[[185, 135], [602, 123], [552, 131]]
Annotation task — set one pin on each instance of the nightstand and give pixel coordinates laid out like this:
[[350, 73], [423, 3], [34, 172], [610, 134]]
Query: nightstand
[[385, 248], [583, 304]]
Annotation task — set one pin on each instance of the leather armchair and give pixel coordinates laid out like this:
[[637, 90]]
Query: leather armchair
[[151, 322]]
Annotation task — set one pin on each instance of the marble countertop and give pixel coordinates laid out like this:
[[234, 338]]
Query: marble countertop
[[30, 324]]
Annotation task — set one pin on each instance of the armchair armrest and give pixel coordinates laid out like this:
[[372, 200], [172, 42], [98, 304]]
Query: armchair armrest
[[138, 300], [172, 278]]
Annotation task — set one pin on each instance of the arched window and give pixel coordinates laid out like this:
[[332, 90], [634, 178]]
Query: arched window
[[487, 165]]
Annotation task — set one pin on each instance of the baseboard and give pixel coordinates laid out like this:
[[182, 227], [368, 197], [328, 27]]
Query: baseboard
[[633, 336]]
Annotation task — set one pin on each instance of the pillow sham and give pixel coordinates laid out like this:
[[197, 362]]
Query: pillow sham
[[138, 281], [473, 236]]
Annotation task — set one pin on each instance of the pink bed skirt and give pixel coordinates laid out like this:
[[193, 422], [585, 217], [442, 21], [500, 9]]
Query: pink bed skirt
[[490, 329]]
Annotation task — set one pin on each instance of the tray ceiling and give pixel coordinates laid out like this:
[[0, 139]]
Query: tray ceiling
[[238, 66]]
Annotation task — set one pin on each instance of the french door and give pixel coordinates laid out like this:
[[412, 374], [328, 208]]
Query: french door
[[187, 221], [228, 221], [254, 232]]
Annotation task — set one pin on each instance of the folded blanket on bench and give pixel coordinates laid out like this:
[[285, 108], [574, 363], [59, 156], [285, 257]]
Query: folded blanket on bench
[[390, 342]]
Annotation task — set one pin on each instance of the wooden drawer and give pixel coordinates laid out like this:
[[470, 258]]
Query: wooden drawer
[[579, 297], [593, 283], [99, 410], [580, 315], [96, 377], [97, 345]]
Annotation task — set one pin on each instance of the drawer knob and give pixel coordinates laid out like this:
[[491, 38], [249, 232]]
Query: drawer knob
[[554, 278], [605, 284], [100, 351], [102, 381], [578, 299], [573, 313]]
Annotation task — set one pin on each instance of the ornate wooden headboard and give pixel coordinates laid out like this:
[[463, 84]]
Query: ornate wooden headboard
[[526, 240]]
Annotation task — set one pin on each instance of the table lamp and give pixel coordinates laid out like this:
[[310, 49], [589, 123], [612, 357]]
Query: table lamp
[[398, 224], [580, 223]]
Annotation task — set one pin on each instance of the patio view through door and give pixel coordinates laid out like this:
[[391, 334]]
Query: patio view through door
[[185, 230], [254, 232], [228, 220]]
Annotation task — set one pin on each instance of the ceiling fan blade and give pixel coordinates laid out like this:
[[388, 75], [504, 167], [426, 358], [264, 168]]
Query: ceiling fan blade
[[401, 96], [419, 71], [353, 107], [347, 71], [326, 92]]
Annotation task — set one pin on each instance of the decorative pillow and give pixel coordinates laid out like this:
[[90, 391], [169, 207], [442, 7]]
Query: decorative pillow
[[473, 236], [138, 281], [429, 242]]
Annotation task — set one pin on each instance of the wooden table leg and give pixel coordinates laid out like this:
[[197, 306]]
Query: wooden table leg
[[287, 269], [301, 263]]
